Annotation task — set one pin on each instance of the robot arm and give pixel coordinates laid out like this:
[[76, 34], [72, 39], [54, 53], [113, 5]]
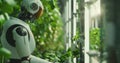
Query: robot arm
[[20, 35], [22, 45]]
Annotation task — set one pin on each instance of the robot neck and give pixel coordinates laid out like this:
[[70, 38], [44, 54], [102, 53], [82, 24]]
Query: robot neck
[[26, 16], [21, 17]]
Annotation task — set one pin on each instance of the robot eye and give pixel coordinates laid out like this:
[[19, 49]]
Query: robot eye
[[34, 6]]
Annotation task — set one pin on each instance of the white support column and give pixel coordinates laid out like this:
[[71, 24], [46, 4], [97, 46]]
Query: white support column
[[86, 30], [67, 18], [66, 25], [69, 22], [74, 17], [74, 25], [69, 27]]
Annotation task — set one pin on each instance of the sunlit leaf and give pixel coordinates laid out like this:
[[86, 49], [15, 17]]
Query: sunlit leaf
[[11, 2], [95, 39], [5, 52], [0, 1], [2, 18]]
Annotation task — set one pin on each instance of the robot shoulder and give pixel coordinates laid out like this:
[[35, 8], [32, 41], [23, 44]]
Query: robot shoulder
[[19, 30], [14, 22]]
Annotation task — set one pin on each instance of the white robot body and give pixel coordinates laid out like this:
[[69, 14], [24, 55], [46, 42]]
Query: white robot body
[[20, 43], [9, 28]]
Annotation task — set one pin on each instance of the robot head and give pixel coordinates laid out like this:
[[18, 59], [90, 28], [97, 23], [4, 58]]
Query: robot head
[[31, 9]]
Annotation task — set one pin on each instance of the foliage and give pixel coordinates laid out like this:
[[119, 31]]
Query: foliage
[[47, 29], [77, 36], [4, 54], [95, 39]]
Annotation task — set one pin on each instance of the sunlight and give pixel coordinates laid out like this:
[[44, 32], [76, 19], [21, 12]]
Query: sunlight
[[95, 9]]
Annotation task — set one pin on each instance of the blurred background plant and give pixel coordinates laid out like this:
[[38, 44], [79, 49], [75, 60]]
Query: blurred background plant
[[95, 39]]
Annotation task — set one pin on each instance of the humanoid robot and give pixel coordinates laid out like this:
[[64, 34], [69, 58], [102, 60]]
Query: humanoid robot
[[17, 37]]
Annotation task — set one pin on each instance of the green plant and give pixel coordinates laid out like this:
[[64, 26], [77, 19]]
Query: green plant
[[4, 54], [95, 39], [48, 31]]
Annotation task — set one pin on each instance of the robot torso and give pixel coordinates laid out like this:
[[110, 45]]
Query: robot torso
[[17, 37]]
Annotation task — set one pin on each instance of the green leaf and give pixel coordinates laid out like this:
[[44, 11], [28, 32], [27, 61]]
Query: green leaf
[[2, 18], [11, 2], [95, 39], [0, 1], [52, 3], [5, 52], [6, 8]]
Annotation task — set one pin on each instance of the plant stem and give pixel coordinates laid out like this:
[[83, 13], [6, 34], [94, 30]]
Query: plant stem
[[2, 59]]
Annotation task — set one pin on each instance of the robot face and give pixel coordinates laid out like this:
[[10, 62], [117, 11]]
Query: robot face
[[31, 10], [34, 6]]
